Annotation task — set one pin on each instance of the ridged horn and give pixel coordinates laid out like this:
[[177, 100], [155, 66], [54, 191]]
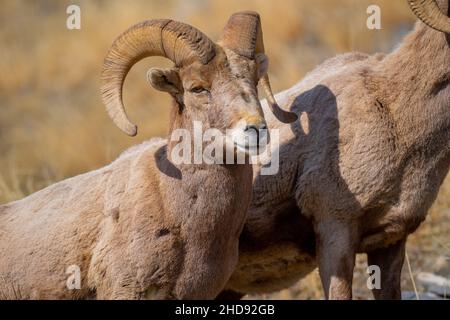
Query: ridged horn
[[243, 35], [177, 41], [429, 12]]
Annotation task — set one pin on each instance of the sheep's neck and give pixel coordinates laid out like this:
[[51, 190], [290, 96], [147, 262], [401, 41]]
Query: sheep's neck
[[415, 82]]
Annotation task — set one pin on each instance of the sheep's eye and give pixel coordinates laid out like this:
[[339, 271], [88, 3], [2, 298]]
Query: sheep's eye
[[198, 90]]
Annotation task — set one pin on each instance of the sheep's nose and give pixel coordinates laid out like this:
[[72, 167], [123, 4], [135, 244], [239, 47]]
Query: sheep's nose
[[249, 127]]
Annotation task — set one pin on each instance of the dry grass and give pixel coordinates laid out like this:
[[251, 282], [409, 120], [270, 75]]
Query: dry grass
[[53, 125]]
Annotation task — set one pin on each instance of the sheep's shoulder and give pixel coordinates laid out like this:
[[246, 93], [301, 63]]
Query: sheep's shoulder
[[135, 176]]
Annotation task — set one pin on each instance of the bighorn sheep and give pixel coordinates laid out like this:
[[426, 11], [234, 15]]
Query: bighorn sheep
[[144, 227], [365, 175]]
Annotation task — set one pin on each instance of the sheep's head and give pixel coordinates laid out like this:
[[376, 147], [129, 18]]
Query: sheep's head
[[212, 83]]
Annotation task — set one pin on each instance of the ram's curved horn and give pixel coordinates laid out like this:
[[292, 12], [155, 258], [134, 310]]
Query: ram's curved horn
[[177, 41], [243, 35], [428, 11]]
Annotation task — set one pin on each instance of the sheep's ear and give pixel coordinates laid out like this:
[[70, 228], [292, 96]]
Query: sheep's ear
[[262, 61], [166, 80]]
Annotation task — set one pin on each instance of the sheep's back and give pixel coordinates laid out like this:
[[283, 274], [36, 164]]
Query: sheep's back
[[44, 234]]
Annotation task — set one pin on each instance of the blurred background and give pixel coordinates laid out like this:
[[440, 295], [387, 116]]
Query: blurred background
[[53, 124]]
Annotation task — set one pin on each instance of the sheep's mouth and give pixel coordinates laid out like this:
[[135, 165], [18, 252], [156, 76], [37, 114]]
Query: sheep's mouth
[[250, 149]]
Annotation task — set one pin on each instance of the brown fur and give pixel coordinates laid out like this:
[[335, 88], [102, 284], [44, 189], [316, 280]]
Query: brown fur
[[141, 227], [362, 179]]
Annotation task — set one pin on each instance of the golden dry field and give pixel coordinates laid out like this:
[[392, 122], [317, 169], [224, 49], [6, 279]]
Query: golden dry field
[[53, 124]]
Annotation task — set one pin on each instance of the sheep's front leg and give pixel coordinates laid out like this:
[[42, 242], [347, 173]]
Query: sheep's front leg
[[336, 243], [390, 261]]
